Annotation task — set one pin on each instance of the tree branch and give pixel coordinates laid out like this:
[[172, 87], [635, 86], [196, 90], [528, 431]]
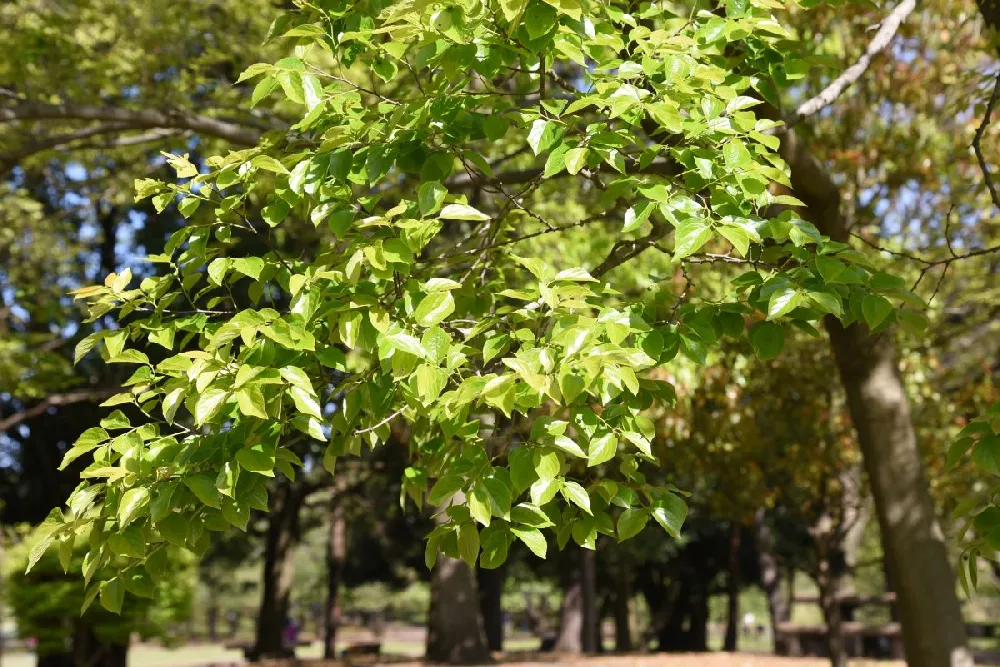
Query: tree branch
[[980, 131], [64, 141], [55, 400], [145, 119], [890, 26]]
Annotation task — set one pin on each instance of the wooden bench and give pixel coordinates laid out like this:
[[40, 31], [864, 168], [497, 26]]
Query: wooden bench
[[248, 647], [860, 640], [362, 648], [980, 630]]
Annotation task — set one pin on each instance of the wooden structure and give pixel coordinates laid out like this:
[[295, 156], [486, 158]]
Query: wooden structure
[[860, 640]]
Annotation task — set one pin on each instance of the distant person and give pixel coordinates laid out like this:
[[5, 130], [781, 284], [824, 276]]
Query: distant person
[[233, 618], [291, 632]]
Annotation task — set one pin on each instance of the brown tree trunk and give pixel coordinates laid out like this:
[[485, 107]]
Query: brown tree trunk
[[732, 619], [622, 598], [491, 604], [770, 580], [591, 638], [933, 633], [278, 572], [455, 633], [336, 553], [570, 637]]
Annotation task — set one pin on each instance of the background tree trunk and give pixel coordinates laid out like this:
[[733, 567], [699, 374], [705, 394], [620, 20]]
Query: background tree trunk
[[491, 604], [455, 633], [933, 632], [778, 608], [336, 553], [570, 636], [622, 598], [278, 572], [591, 639], [732, 619]]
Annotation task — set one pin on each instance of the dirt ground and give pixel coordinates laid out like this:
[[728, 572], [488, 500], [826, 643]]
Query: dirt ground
[[636, 660]]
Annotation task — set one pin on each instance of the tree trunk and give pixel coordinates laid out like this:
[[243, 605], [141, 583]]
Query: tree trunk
[[570, 637], [491, 604], [213, 621], [336, 553], [697, 635], [591, 638], [622, 597], [933, 633], [278, 572], [770, 580], [826, 581], [732, 619], [455, 633]]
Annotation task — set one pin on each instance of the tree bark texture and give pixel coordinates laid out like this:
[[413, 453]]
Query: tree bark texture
[[778, 608], [279, 572], [455, 632], [933, 632]]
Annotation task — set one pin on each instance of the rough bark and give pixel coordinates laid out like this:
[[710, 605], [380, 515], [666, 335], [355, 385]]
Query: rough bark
[[336, 554], [732, 618], [778, 608], [491, 604], [933, 633], [578, 631], [278, 572], [455, 632]]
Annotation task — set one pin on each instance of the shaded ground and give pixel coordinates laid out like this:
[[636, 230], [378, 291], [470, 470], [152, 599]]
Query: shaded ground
[[218, 656]]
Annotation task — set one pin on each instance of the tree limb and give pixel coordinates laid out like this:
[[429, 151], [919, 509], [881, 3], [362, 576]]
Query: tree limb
[[63, 141], [145, 119], [52, 401], [890, 26], [980, 131]]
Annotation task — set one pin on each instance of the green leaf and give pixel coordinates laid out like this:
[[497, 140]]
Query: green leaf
[[251, 401], [468, 542], [636, 215], [209, 404], [305, 402], [431, 197], [543, 491], [957, 451], [576, 159], [133, 501], [434, 309], [547, 465], [116, 420], [767, 339], [445, 488], [690, 236], [203, 487], [829, 268], [533, 539], [112, 595], [462, 212], [257, 458], [602, 449], [737, 236], [875, 309], [782, 302], [670, 511], [543, 135], [530, 515], [576, 494], [631, 522], [512, 9], [567, 445]]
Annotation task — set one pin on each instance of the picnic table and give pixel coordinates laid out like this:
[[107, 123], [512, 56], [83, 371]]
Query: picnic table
[[860, 640]]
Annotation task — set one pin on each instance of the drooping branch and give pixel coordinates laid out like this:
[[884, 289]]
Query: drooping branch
[[890, 26], [81, 396], [136, 119]]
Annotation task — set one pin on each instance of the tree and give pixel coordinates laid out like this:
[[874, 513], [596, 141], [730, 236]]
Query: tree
[[424, 289]]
